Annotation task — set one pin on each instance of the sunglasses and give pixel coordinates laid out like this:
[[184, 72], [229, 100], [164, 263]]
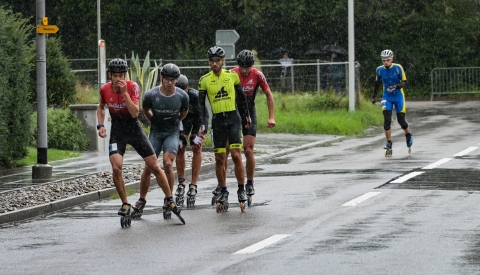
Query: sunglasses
[[215, 60], [171, 80]]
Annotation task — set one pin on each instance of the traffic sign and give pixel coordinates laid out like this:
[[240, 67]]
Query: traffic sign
[[229, 51], [48, 29], [226, 37]]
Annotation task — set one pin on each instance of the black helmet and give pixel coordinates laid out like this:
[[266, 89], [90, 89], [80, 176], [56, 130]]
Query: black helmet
[[117, 65], [170, 70], [216, 51], [182, 82], [245, 59]]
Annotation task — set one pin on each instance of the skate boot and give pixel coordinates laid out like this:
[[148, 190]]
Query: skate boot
[[138, 209], [388, 149], [180, 193], [169, 206], [222, 201], [124, 213], [166, 211], [242, 197], [250, 191], [192, 192], [215, 193], [409, 138]]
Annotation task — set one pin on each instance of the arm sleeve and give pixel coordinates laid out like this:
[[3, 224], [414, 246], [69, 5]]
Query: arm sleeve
[[195, 110], [375, 88], [201, 104], [402, 84], [241, 101]]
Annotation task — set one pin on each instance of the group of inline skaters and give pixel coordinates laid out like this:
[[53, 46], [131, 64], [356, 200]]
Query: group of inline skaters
[[179, 116]]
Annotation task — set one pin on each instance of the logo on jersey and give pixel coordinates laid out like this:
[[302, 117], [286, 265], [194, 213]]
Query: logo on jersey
[[250, 82], [221, 95], [136, 90]]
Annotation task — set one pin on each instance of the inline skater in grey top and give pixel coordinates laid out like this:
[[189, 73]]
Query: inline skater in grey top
[[194, 130], [165, 106]]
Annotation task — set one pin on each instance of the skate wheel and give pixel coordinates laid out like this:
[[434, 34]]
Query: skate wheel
[[214, 200], [242, 206], [218, 207], [409, 150], [128, 222], [122, 222], [249, 202]]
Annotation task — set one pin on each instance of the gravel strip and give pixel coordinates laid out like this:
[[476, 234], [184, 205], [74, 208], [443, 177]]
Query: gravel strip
[[49, 192]]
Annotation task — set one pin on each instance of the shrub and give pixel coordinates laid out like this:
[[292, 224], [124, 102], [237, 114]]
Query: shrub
[[64, 130], [14, 105], [61, 81]]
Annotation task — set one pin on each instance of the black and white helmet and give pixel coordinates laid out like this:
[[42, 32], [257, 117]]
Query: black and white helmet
[[117, 65], [170, 70], [245, 59], [386, 54], [182, 82], [216, 51]]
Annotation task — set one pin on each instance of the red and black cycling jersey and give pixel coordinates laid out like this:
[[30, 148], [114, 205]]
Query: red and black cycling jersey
[[250, 84], [116, 103]]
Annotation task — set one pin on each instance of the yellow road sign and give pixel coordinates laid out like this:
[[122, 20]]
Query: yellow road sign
[[51, 29]]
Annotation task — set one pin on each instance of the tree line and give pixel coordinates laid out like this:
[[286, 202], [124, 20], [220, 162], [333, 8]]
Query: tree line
[[423, 34]]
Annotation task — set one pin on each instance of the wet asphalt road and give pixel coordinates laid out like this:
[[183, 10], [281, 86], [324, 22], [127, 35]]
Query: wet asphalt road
[[341, 207]]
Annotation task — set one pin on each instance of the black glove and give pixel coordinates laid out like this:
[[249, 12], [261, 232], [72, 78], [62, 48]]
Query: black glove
[[393, 87], [373, 100]]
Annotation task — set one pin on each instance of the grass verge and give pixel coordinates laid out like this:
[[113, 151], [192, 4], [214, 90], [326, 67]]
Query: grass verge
[[53, 154], [129, 191]]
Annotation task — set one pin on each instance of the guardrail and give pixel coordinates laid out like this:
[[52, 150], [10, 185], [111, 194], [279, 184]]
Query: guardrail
[[455, 80]]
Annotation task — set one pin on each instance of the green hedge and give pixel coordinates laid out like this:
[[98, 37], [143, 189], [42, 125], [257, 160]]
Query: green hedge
[[64, 130], [14, 82]]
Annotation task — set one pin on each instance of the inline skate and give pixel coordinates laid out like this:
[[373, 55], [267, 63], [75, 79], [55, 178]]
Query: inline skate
[[388, 148], [250, 192], [242, 197], [192, 192], [180, 193], [409, 138], [138, 209], [124, 213], [215, 193], [222, 201], [168, 207]]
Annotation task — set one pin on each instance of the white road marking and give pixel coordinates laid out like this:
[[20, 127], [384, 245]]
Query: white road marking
[[407, 177], [438, 163], [262, 244], [466, 151], [360, 199]]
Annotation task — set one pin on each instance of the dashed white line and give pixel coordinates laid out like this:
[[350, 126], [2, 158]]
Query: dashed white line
[[438, 163], [407, 177], [360, 199], [466, 151], [262, 244]]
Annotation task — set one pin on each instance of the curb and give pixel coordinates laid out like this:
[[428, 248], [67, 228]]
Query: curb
[[39, 210]]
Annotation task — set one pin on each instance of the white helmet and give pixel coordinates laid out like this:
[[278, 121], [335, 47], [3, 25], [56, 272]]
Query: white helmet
[[386, 54]]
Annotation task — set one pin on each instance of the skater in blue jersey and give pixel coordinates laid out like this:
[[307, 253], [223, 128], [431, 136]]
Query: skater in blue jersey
[[394, 80]]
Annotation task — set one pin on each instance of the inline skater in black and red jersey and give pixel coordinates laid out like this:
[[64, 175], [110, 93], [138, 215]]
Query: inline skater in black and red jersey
[[251, 79], [122, 99]]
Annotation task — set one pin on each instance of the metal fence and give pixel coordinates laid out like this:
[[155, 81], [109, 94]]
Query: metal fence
[[305, 76], [461, 80]]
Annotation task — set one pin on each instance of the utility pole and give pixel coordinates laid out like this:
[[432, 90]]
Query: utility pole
[[351, 57], [41, 171]]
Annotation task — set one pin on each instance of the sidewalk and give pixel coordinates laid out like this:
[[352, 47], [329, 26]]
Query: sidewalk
[[267, 145]]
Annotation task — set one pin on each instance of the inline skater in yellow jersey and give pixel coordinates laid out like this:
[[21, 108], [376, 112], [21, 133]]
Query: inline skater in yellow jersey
[[230, 112]]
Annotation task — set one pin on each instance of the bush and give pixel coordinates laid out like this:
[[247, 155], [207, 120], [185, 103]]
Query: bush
[[14, 81], [61, 81], [64, 130]]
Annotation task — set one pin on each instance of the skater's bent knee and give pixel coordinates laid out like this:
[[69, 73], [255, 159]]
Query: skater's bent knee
[[401, 120], [387, 118]]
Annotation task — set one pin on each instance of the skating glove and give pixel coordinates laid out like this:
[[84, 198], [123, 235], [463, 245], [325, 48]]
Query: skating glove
[[373, 100]]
